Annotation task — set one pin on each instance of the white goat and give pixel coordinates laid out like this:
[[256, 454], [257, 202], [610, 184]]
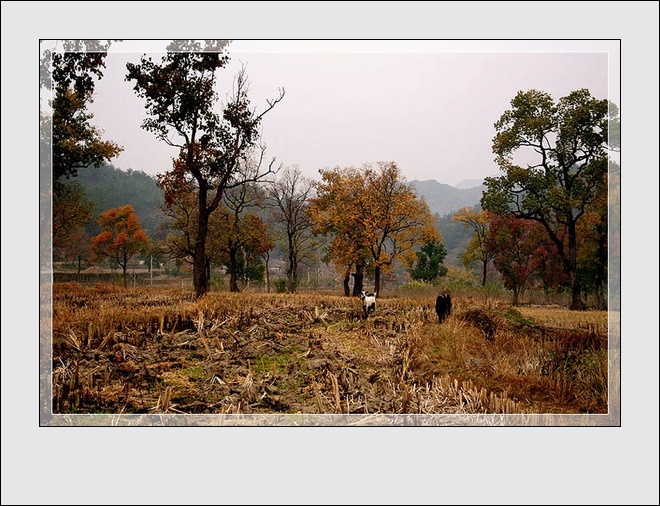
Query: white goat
[[368, 302]]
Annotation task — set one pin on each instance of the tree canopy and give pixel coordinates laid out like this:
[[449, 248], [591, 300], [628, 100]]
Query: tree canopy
[[374, 217], [554, 156], [68, 140], [76, 143], [428, 266], [122, 236], [217, 151]]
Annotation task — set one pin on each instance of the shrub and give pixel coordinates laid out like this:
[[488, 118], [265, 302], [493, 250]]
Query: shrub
[[280, 285], [218, 282]]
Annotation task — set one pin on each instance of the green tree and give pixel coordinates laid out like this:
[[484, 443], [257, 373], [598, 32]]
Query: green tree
[[122, 236], [180, 99], [75, 142], [564, 146], [429, 265], [72, 71]]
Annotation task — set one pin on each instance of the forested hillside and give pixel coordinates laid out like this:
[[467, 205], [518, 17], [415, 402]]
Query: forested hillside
[[108, 188]]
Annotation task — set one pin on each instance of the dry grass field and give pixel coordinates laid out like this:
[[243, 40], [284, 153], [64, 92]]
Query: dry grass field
[[158, 351]]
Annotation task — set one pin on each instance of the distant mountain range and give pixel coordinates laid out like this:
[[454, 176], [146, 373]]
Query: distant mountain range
[[466, 184], [446, 199]]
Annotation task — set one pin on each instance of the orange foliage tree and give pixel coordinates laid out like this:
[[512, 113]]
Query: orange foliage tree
[[374, 217], [122, 236], [335, 213]]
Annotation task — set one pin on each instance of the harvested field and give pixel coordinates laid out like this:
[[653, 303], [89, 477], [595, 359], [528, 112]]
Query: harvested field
[[158, 351]]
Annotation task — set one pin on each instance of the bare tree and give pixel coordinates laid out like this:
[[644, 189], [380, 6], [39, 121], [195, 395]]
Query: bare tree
[[290, 196], [237, 228]]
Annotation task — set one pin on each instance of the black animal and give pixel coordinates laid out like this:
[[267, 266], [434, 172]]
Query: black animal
[[443, 306]]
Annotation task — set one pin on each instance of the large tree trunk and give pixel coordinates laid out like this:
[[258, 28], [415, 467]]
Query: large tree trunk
[[576, 294], [347, 280], [601, 268], [233, 268], [574, 279], [358, 279], [292, 269], [484, 272], [377, 280], [200, 280]]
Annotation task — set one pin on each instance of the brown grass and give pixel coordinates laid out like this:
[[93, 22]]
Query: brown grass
[[158, 350]]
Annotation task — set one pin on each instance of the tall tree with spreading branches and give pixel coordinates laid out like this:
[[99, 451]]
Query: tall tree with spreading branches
[[554, 156], [70, 69], [290, 196], [334, 212], [180, 98], [374, 217], [397, 220]]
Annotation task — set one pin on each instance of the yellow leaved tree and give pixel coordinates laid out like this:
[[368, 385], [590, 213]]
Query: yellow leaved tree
[[374, 218]]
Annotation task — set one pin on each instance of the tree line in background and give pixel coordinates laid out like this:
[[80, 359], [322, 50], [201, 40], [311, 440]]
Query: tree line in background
[[543, 223]]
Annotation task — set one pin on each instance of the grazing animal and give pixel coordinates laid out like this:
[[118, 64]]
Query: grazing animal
[[443, 306], [368, 302]]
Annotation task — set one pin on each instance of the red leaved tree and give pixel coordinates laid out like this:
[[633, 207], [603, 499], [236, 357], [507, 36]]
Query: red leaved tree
[[513, 242], [122, 236]]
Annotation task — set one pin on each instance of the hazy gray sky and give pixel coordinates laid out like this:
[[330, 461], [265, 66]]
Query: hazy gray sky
[[430, 106]]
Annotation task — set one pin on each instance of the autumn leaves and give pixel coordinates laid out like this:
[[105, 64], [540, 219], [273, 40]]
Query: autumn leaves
[[373, 218]]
